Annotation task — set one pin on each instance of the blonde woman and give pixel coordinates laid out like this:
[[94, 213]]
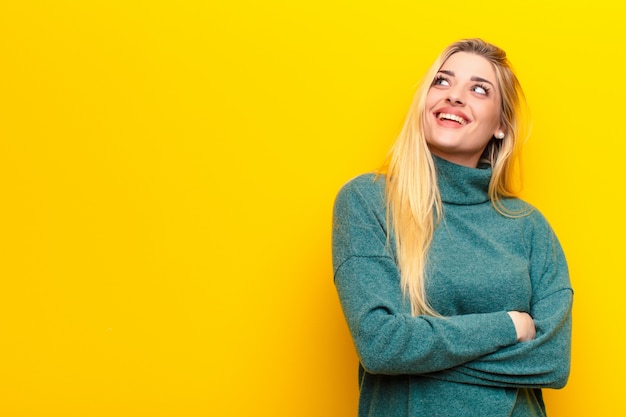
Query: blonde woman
[[456, 293]]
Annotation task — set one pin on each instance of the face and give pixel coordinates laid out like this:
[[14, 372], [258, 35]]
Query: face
[[462, 109]]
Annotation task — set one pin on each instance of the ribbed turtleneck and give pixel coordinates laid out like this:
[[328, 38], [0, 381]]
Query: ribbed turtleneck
[[480, 265], [462, 185]]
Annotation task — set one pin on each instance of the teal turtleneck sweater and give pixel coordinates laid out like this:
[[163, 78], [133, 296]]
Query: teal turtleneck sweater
[[481, 265]]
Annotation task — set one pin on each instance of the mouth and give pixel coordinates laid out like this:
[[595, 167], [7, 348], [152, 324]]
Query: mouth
[[447, 116]]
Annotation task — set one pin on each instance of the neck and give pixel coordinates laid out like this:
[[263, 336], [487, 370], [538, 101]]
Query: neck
[[459, 184]]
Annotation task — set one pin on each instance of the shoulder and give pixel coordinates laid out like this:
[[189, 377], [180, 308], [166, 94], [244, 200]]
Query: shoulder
[[534, 216], [535, 225], [367, 180], [362, 197], [528, 215], [517, 208], [369, 186]]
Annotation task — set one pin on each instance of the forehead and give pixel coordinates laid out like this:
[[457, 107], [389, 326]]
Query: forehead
[[467, 65]]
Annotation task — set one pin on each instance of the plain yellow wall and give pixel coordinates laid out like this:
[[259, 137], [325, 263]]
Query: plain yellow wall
[[167, 172]]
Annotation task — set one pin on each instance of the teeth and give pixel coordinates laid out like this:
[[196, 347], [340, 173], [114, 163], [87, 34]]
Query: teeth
[[449, 116]]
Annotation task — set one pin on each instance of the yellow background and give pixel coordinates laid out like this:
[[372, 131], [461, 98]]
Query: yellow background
[[167, 172]]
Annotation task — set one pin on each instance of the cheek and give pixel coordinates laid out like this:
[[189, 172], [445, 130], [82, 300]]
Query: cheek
[[492, 115], [432, 98], [497, 119]]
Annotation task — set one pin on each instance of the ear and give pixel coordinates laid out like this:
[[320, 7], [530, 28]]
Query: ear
[[500, 132]]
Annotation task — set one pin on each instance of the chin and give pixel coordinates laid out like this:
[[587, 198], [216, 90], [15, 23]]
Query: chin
[[445, 143]]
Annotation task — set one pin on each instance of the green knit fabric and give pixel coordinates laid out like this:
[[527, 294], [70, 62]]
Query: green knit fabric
[[481, 265]]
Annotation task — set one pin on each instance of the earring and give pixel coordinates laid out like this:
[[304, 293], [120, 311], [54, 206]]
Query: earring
[[500, 135]]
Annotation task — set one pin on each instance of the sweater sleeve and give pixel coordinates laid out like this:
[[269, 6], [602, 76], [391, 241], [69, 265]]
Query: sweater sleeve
[[545, 360], [388, 339]]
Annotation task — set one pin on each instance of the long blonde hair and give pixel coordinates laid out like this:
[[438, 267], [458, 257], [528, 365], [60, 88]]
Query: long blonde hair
[[413, 200]]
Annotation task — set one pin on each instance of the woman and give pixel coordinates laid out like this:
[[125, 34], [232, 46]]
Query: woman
[[456, 293]]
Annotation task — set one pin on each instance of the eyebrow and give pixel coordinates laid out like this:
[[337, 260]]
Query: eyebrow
[[474, 78]]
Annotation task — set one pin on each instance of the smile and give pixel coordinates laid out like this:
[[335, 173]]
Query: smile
[[448, 116]]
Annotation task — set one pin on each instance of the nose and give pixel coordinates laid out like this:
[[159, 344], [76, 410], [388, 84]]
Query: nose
[[455, 96], [455, 99]]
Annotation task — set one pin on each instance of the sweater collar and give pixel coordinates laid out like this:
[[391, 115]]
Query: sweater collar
[[462, 185]]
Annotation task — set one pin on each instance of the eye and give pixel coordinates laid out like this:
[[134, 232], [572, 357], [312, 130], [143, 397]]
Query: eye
[[441, 80], [481, 89]]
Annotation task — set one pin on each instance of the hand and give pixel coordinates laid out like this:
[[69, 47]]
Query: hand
[[524, 325]]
